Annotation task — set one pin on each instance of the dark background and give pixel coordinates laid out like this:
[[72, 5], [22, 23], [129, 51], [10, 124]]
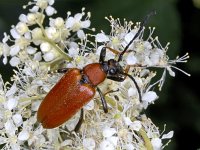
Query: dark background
[[177, 22]]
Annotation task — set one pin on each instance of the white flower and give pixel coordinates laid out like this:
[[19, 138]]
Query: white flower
[[14, 50], [108, 132], [75, 22], [12, 90], [131, 59], [106, 145], [101, 37], [23, 135], [89, 105], [149, 96], [17, 118], [156, 143], [89, 143], [14, 33], [11, 103], [50, 10], [136, 125], [14, 61], [168, 135], [21, 28]]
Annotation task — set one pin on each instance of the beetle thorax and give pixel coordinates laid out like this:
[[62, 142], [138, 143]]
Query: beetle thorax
[[95, 73]]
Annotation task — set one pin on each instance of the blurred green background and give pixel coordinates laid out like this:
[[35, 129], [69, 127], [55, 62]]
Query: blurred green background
[[177, 22]]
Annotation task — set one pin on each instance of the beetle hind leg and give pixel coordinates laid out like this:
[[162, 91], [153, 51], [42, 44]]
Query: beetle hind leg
[[78, 125]]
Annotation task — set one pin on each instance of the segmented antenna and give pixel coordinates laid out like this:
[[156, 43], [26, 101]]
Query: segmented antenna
[[144, 22]]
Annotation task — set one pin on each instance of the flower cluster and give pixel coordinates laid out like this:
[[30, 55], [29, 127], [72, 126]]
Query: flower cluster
[[34, 49]]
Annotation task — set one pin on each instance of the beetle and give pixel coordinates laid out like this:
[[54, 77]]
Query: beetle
[[78, 86]]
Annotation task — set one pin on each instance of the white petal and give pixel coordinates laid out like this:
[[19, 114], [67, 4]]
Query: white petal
[[89, 106], [50, 11], [136, 125], [59, 22], [85, 24], [89, 143], [38, 56], [21, 28], [172, 73], [23, 18], [129, 37], [108, 132], [129, 147], [49, 56], [35, 105], [12, 103], [156, 143], [101, 37], [14, 61], [132, 92], [127, 121], [113, 140], [12, 90], [51, 2], [168, 135], [131, 59], [78, 16], [81, 34], [14, 33], [147, 45], [106, 145], [23, 135], [70, 22], [45, 47], [14, 50], [34, 9], [5, 60], [149, 96], [17, 118], [10, 128], [73, 52], [31, 50]]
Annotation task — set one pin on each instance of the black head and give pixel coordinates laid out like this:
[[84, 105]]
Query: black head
[[112, 67]]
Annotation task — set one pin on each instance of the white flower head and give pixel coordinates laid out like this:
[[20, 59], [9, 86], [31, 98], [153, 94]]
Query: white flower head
[[38, 46]]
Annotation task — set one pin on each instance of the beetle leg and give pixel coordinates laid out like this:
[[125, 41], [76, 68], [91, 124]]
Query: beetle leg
[[111, 91], [61, 70], [116, 78], [102, 55], [78, 126], [113, 50], [105, 106]]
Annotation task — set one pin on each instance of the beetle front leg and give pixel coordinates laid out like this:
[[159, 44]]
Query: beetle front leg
[[61, 70], [104, 103], [78, 125]]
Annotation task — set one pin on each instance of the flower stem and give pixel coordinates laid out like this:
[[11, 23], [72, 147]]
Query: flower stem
[[147, 141]]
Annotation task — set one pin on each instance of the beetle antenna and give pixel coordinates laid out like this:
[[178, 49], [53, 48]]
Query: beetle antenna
[[136, 85], [144, 22]]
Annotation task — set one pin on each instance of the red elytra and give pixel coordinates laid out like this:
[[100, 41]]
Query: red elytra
[[69, 95]]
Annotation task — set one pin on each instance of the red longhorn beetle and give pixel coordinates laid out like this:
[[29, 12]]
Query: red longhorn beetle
[[77, 87]]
